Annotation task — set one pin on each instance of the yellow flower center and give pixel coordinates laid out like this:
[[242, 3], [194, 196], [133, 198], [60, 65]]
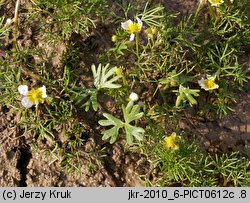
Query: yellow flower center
[[134, 28], [171, 142], [35, 96], [216, 1], [209, 83]]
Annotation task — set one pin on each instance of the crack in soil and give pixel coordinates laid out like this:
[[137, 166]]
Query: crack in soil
[[22, 163], [109, 166]]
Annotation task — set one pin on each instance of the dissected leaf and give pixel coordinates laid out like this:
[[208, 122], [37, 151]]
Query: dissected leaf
[[131, 113], [111, 133], [104, 77], [133, 131]]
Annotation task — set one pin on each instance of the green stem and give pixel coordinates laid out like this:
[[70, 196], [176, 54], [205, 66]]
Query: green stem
[[125, 83], [212, 11], [196, 13], [137, 44], [153, 41], [37, 113], [163, 97]]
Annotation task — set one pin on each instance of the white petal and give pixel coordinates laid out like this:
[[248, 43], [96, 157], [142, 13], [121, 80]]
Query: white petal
[[126, 24], [217, 86], [201, 83], [26, 102], [132, 37], [23, 89], [210, 76], [43, 88], [139, 21]]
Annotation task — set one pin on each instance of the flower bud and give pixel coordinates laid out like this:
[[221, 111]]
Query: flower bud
[[133, 96]]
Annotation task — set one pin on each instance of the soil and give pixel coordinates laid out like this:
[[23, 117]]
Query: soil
[[22, 164]]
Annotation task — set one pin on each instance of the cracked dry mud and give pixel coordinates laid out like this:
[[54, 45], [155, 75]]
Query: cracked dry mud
[[23, 165]]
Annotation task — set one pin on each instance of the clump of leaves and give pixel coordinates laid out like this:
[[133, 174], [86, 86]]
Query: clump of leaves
[[4, 31], [188, 166], [104, 78], [184, 93]]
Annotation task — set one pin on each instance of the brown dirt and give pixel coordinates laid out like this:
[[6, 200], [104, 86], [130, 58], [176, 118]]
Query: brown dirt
[[23, 165], [231, 133]]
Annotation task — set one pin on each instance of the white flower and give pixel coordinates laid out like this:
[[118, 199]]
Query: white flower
[[216, 2], [32, 97], [133, 96], [209, 83], [132, 27]]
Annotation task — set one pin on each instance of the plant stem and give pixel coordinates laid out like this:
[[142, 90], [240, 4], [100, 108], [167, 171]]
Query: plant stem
[[15, 26], [212, 11], [137, 44], [196, 13]]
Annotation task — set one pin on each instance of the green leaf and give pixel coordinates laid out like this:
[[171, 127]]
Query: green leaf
[[138, 133], [186, 94], [104, 77], [129, 135], [133, 131], [112, 132], [130, 113], [88, 96], [114, 120], [93, 99], [105, 122]]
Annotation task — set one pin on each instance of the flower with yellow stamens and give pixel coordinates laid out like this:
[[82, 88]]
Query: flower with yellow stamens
[[118, 72], [132, 27], [151, 32], [33, 96], [171, 142], [114, 38], [216, 2], [209, 83]]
